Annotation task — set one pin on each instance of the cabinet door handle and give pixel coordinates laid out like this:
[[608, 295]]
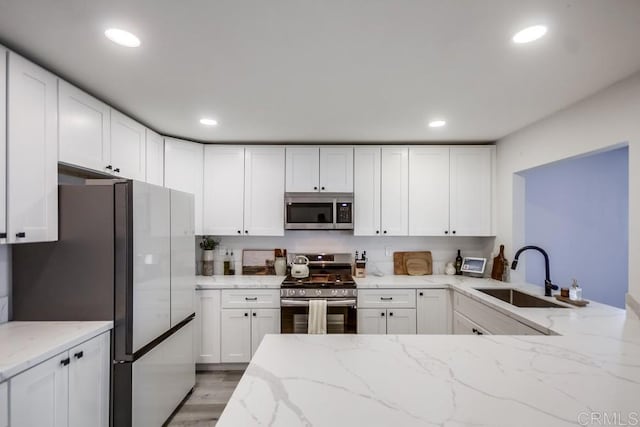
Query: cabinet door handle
[[384, 232], [65, 362], [246, 231], [239, 232], [382, 314], [476, 331], [109, 167], [3, 235], [421, 294], [377, 231], [391, 314], [322, 188], [116, 170], [246, 315], [79, 355], [254, 314], [453, 232], [446, 231], [315, 188], [21, 234], [386, 298], [251, 298]]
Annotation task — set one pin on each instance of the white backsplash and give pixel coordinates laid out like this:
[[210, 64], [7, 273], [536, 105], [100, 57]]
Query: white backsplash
[[443, 249]]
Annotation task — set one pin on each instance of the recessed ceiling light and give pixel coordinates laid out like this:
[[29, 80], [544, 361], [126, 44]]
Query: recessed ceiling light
[[529, 34], [209, 122], [437, 123], [122, 37]]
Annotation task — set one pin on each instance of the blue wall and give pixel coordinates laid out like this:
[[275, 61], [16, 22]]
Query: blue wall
[[577, 210]]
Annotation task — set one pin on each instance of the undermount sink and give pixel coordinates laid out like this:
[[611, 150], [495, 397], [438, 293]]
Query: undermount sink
[[520, 299]]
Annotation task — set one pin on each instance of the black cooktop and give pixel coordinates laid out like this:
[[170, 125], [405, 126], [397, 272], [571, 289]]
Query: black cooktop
[[320, 281]]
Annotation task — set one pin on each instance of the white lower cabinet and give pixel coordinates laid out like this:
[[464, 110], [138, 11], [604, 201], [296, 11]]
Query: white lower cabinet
[[70, 389], [462, 325], [207, 341], [433, 311], [247, 315], [394, 321], [89, 376], [485, 319], [243, 330], [4, 404]]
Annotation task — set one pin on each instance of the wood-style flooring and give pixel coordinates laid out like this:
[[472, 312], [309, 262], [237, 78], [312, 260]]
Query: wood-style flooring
[[210, 395]]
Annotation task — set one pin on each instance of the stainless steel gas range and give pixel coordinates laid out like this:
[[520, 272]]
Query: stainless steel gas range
[[330, 279]]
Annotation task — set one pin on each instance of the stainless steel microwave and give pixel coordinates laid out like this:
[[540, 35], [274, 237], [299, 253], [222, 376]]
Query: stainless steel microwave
[[318, 211]]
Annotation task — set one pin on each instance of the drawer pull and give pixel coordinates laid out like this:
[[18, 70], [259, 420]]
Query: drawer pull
[[251, 298], [21, 234], [386, 298]]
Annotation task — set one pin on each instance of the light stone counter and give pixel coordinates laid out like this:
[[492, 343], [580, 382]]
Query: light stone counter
[[25, 344], [238, 281], [412, 380], [593, 368]]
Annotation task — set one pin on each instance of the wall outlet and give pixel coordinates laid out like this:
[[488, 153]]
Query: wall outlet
[[388, 251]]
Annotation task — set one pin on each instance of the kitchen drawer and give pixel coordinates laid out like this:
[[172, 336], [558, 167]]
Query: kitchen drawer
[[387, 298], [490, 319], [251, 298], [465, 326]]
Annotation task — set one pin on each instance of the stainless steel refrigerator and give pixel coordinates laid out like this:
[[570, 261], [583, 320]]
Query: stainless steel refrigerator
[[126, 252]]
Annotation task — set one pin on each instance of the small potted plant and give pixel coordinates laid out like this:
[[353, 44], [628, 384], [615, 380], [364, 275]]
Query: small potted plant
[[208, 245]]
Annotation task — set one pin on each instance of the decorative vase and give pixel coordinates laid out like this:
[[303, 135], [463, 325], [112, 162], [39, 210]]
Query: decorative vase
[[280, 265], [207, 263], [450, 269]]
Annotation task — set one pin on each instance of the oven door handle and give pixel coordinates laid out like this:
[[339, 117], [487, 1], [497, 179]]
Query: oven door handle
[[305, 303]]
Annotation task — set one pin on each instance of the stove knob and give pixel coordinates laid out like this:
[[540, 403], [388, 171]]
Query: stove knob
[[334, 292], [318, 292], [303, 292]]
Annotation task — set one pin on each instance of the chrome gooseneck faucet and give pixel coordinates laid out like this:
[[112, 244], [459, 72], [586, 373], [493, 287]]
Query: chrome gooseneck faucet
[[548, 286]]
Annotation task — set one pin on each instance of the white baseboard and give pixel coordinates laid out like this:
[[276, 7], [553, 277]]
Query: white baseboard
[[221, 367]]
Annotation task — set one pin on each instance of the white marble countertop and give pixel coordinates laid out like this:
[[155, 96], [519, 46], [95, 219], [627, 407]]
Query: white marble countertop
[[238, 281], [452, 380], [415, 380], [25, 344]]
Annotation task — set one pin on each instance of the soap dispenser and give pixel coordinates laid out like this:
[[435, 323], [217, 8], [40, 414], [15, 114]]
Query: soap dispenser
[[575, 292]]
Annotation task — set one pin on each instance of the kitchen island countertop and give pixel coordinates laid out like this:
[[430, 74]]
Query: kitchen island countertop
[[591, 367]]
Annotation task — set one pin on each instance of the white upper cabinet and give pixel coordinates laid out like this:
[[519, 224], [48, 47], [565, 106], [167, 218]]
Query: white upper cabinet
[[472, 191], [264, 191], [155, 158], [336, 169], [32, 153], [319, 169], [3, 145], [223, 190], [85, 130], [303, 169], [366, 191], [183, 171], [428, 191], [394, 197], [128, 147]]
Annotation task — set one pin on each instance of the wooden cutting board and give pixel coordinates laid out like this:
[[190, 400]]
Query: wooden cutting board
[[415, 263], [498, 265]]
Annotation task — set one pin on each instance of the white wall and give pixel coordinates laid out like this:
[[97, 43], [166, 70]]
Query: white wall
[[608, 118], [443, 249]]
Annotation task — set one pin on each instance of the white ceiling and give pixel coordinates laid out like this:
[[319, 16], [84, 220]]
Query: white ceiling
[[329, 70]]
